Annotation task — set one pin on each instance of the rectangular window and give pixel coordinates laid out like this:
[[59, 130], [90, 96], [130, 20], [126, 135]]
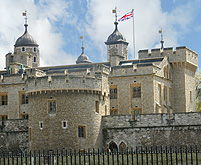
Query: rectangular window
[[170, 96], [159, 94], [113, 112], [136, 91], [165, 94], [82, 131], [113, 92], [24, 98], [3, 117], [190, 96], [52, 106], [4, 99], [25, 116], [97, 106]]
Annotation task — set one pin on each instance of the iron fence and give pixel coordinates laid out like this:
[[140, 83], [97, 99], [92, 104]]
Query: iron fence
[[163, 155]]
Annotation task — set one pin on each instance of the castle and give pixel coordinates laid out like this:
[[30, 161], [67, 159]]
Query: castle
[[89, 105]]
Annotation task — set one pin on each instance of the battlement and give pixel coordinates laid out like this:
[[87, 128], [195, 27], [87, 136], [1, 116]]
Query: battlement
[[181, 54], [152, 120]]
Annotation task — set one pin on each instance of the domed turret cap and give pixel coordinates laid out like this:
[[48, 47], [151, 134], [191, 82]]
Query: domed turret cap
[[116, 35], [26, 39], [83, 58]]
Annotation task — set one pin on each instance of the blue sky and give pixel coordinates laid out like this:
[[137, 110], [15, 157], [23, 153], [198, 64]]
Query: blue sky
[[58, 24]]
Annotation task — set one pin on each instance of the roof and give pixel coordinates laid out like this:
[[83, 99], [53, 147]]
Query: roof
[[26, 39]]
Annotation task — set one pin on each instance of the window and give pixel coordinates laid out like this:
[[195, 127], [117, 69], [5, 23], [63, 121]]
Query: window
[[41, 125], [170, 73], [159, 94], [190, 96], [3, 99], [105, 109], [3, 117], [136, 92], [25, 99], [52, 106], [165, 94], [25, 116], [64, 124], [170, 96], [97, 106], [135, 112], [23, 49], [34, 49], [34, 59], [122, 147], [82, 131], [113, 112], [113, 92]]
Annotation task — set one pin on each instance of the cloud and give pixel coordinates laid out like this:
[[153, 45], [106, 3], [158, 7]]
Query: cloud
[[42, 19], [149, 17]]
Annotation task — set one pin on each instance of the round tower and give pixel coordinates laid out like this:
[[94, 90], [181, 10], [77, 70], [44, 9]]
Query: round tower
[[117, 47]]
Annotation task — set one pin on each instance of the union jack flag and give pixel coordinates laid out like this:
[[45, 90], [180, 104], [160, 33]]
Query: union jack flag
[[126, 16]]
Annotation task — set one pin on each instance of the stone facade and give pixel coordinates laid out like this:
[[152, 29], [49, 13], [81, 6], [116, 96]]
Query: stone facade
[[68, 106]]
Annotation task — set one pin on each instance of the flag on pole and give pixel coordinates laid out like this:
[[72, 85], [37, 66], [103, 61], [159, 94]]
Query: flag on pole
[[126, 16]]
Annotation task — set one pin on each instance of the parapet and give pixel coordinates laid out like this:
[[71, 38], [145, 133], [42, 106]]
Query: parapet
[[182, 54]]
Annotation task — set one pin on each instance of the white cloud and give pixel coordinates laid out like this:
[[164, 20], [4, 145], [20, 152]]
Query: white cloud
[[42, 19], [149, 18]]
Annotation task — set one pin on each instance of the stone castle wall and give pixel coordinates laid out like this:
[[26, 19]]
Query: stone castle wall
[[153, 129], [14, 135]]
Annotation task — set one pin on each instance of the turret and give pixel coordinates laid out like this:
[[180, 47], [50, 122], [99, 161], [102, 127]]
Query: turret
[[26, 53], [117, 47]]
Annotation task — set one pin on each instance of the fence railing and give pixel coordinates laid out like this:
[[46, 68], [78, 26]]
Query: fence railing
[[163, 155]]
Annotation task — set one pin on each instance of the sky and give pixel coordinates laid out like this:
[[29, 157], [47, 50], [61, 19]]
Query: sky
[[58, 24]]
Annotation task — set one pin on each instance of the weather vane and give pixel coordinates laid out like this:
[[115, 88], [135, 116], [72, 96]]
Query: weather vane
[[25, 15], [162, 42], [81, 37], [115, 11]]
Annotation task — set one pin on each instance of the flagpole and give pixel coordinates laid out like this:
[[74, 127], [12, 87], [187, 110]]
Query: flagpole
[[133, 36]]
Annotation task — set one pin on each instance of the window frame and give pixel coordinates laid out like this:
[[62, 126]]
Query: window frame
[[81, 133], [113, 92], [52, 104], [4, 98]]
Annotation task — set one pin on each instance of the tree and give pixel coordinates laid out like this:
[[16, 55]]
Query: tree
[[198, 90]]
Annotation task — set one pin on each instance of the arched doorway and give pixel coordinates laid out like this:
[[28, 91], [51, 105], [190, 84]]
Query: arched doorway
[[122, 147], [113, 146]]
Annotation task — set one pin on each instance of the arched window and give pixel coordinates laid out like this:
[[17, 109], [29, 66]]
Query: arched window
[[23, 49], [122, 147], [113, 146], [34, 59], [34, 49]]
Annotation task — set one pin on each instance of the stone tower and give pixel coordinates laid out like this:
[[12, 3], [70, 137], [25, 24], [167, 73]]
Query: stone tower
[[117, 47], [26, 54]]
